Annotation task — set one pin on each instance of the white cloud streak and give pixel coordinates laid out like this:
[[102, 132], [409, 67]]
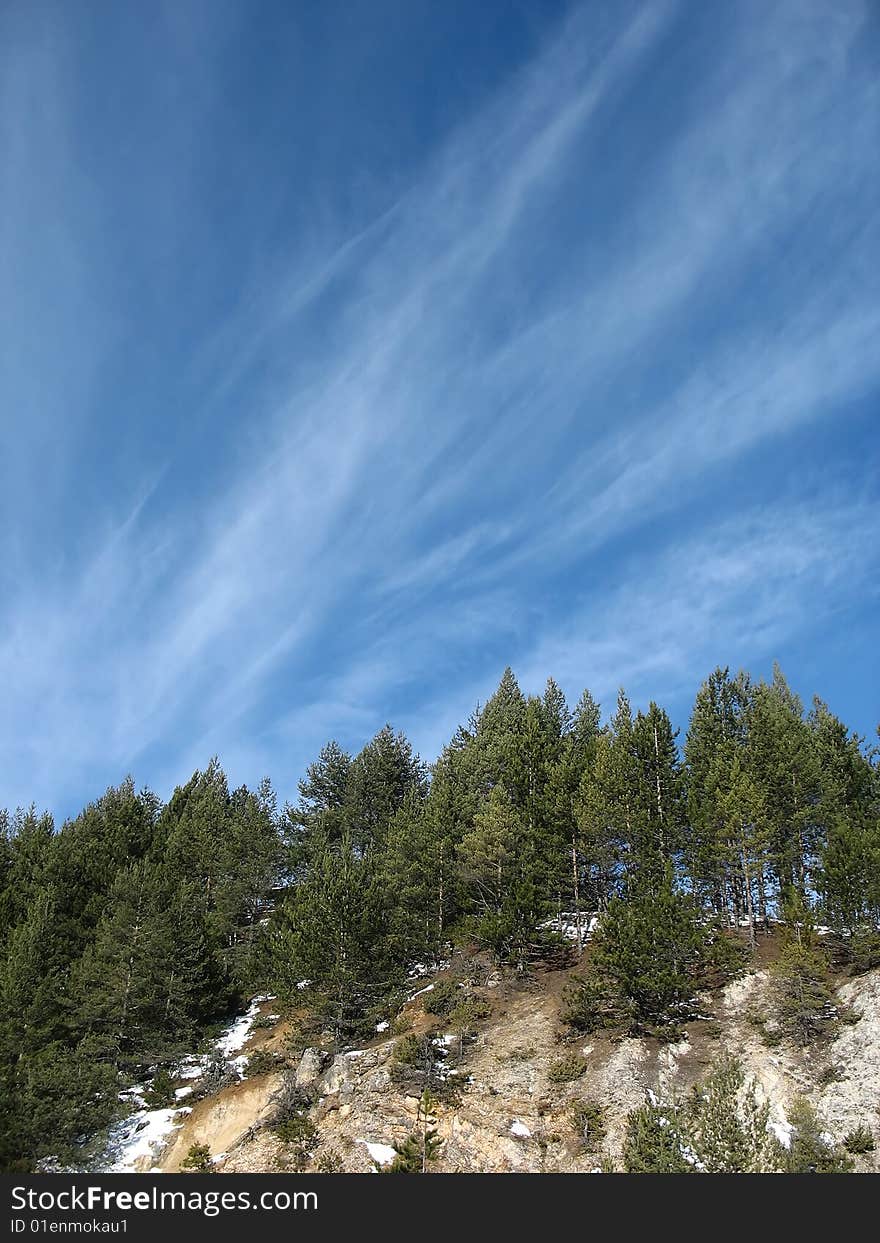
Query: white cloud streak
[[410, 476]]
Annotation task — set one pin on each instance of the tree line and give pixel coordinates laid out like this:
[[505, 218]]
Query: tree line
[[123, 935], [131, 929], [536, 817]]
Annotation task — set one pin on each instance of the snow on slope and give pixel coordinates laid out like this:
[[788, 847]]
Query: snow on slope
[[139, 1137]]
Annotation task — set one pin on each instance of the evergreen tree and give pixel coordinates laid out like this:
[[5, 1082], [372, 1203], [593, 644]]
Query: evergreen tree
[[783, 761], [655, 1141], [653, 952], [330, 932], [381, 777], [810, 1150], [420, 1147], [727, 1127]]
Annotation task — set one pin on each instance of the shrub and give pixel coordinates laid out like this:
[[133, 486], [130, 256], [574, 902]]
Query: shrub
[[567, 1068], [801, 994], [652, 952], [289, 1102], [198, 1159], [859, 1141], [467, 1014], [726, 1126], [442, 998], [720, 1129], [160, 1093], [864, 948], [329, 1162], [409, 1051], [262, 1062], [588, 1006], [809, 1152], [522, 1053], [588, 1120], [296, 1129], [655, 1143]]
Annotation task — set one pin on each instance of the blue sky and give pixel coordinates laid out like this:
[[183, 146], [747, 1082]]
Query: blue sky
[[350, 352]]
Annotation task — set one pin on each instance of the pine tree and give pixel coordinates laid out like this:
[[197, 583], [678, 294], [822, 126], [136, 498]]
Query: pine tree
[[726, 850], [655, 1141], [381, 777], [727, 1127], [809, 1150], [420, 1147], [783, 761], [653, 951], [331, 932]]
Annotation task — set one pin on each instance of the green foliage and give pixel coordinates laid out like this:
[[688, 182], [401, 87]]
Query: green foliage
[[329, 1162], [588, 1121], [655, 1142], [859, 1141], [567, 1068], [420, 1147], [160, 1093], [410, 1050], [262, 1062], [198, 1159], [803, 1003], [296, 1129], [863, 950], [127, 934], [56, 1103], [469, 1012], [589, 1004], [726, 1125], [443, 997], [721, 1128], [652, 952], [809, 1150]]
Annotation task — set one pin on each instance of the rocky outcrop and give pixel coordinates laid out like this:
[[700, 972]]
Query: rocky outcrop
[[508, 1113]]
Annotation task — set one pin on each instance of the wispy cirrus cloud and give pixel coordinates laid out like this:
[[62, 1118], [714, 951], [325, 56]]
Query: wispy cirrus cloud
[[417, 446]]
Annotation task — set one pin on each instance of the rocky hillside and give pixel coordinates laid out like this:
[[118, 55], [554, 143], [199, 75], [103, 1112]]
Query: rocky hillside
[[508, 1097]]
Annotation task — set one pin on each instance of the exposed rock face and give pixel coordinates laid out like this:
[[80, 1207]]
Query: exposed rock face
[[510, 1115], [855, 1056], [310, 1066]]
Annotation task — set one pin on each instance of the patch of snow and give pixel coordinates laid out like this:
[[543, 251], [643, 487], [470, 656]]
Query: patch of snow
[[239, 1030], [383, 1026], [180, 1093], [520, 1129], [427, 989], [304, 984], [691, 1157], [139, 1136], [421, 968], [782, 1130], [566, 924], [382, 1154], [192, 1068], [238, 1064]]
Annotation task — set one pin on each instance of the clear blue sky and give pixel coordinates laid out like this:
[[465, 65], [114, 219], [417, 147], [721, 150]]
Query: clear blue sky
[[352, 351]]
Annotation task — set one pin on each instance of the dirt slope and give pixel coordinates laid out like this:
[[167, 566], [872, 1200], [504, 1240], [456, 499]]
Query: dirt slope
[[510, 1116]]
